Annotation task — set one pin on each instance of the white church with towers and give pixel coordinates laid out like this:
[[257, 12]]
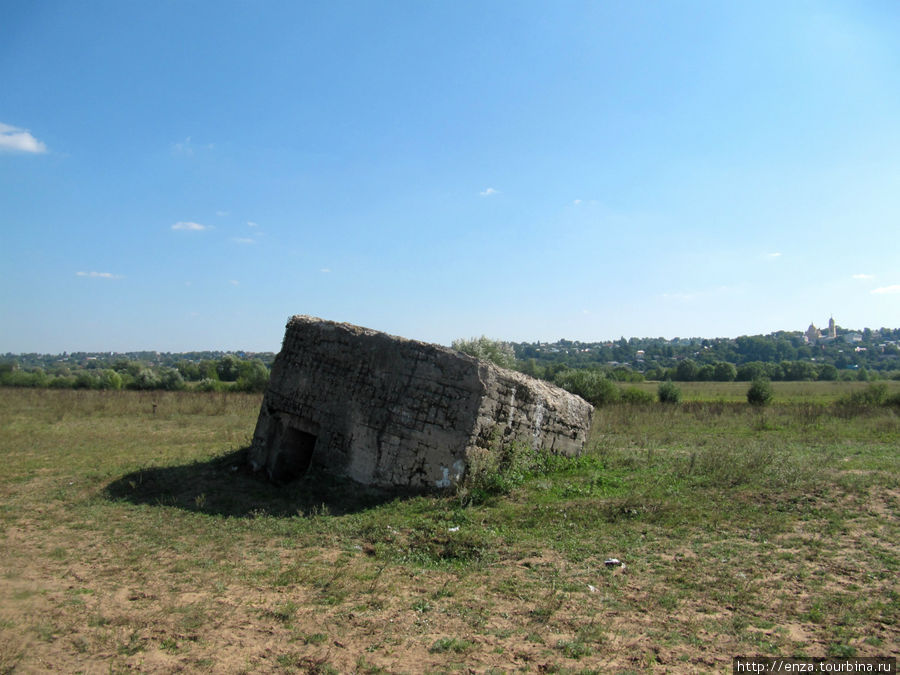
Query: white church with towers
[[814, 335]]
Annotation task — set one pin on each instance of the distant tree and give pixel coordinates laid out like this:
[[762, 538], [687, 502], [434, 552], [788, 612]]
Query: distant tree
[[110, 379], [228, 368], [254, 376], [797, 371], [828, 372], [86, 380], [686, 371], [496, 351], [170, 379], [189, 370], [724, 372], [531, 367], [146, 379], [706, 373], [624, 374], [62, 382]]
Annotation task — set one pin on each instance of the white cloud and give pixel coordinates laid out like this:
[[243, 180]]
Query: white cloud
[[701, 294], [187, 147], [576, 202], [221, 213], [187, 225], [184, 147], [773, 256], [250, 223], [243, 240], [234, 283], [886, 290], [863, 276], [98, 275], [487, 192], [15, 139], [680, 297], [325, 270]]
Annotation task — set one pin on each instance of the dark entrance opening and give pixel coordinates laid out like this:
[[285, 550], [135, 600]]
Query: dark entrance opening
[[295, 451]]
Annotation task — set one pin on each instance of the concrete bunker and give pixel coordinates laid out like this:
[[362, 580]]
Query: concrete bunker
[[388, 411]]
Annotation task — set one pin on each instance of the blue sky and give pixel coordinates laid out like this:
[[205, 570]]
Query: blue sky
[[187, 175]]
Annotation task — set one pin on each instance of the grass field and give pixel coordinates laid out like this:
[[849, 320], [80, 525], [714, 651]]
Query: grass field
[[784, 392], [135, 540]]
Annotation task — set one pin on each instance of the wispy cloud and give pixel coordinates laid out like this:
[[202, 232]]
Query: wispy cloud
[[184, 147], [700, 294], [187, 147], [243, 240], [221, 214], [14, 139], [863, 276], [886, 290], [576, 202], [325, 270], [487, 192], [99, 275], [188, 225], [773, 256], [250, 223], [234, 283], [680, 297]]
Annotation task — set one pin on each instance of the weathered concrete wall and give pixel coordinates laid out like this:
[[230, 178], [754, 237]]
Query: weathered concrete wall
[[385, 410]]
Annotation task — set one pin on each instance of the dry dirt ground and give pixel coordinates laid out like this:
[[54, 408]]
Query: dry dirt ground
[[96, 584]]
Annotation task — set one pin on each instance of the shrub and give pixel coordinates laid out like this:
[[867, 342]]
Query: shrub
[[760, 392], [668, 392], [209, 384], [496, 471], [591, 385], [874, 394], [636, 396], [500, 353]]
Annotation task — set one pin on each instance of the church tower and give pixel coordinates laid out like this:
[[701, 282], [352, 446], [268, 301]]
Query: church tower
[[832, 332]]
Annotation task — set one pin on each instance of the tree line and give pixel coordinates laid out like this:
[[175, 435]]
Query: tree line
[[871, 350], [155, 371]]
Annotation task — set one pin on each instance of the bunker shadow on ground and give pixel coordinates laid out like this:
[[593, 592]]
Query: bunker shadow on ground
[[225, 486]]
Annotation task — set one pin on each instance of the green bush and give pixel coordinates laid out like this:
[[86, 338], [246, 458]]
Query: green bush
[[591, 385], [760, 392], [497, 471], [668, 392], [873, 395], [209, 384], [496, 351], [636, 396]]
